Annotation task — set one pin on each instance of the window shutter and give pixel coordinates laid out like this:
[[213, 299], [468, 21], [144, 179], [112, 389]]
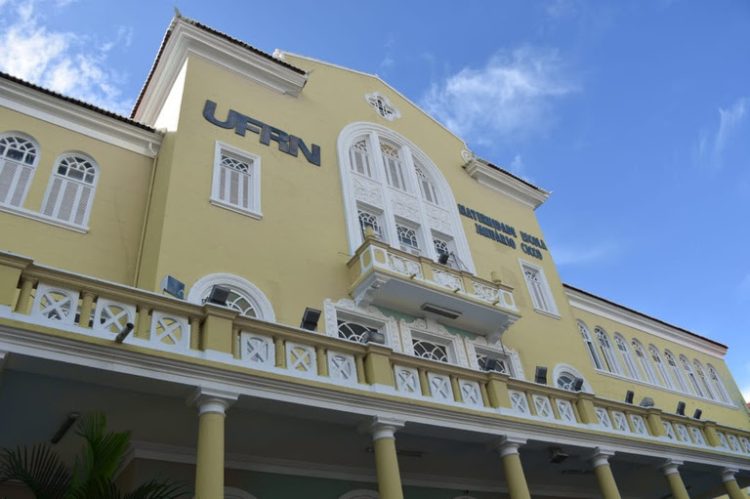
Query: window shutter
[[7, 173], [54, 192]]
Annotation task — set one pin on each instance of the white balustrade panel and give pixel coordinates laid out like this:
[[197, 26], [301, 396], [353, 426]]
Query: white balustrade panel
[[257, 350], [407, 380], [55, 303], [341, 366], [112, 316], [440, 387], [169, 332], [301, 359], [471, 394]]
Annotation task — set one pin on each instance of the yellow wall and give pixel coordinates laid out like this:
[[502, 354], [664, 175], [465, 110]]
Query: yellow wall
[[109, 251]]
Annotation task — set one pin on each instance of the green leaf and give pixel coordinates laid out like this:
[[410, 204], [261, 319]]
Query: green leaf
[[39, 468]]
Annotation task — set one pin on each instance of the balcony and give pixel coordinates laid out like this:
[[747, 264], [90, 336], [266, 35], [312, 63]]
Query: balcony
[[394, 279]]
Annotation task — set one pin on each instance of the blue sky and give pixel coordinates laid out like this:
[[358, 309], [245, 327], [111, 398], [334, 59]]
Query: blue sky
[[636, 114]]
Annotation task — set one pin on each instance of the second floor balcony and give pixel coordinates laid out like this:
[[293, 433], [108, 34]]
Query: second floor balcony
[[387, 277]]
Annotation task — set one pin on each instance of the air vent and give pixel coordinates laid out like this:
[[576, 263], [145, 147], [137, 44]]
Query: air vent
[[445, 312]]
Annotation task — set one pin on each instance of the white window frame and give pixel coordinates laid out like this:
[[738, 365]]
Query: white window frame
[[630, 369], [421, 248], [718, 383], [261, 304], [677, 371], [20, 166], [367, 316], [644, 358], [566, 369], [590, 345], [433, 332], [661, 366], [607, 350], [253, 210], [544, 289], [64, 181]]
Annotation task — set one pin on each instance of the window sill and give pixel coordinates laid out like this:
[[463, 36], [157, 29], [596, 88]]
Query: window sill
[[32, 215], [553, 315], [663, 388], [257, 215]]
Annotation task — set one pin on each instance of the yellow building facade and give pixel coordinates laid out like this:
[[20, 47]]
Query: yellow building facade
[[287, 280]]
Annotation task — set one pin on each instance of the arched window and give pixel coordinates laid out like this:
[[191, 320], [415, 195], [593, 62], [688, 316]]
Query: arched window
[[705, 385], [19, 155], [590, 347], [656, 357], [606, 347], [713, 376], [236, 180], [630, 370], [691, 376], [678, 374], [393, 188], [244, 296], [70, 193], [645, 362], [565, 377]]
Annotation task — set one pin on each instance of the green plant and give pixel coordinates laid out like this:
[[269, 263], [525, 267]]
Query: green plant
[[92, 477]]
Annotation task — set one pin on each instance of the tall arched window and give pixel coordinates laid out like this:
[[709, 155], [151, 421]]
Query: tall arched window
[[610, 361], [678, 374], [656, 357], [695, 386], [19, 155], [703, 380], [713, 376], [243, 296], [393, 188], [645, 361], [70, 193], [630, 370], [590, 347]]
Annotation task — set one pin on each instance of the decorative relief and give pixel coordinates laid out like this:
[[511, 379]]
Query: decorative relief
[[341, 366], [367, 191], [470, 392], [682, 433], [518, 401], [405, 206], [170, 331], [257, 349], [111, 316], [440, 387], [542, 406], [301, 359], [565, 409], [619, 421], [55, 303], [484, 292], [698, 436], [446, 279], [382, 105], [603, 416], [404, 266], [639, 425], [390, 326], [407, 380], [439, 219], [669, 430]]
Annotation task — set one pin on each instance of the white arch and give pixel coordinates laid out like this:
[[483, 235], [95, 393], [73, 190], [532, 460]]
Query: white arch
[[18, 174], [260, 302], [235, 493], [360, 494], [560, 369], [357, 130], [63, 189]]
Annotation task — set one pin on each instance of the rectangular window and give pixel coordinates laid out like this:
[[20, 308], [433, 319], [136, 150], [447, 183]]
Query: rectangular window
[[492, 361], [429, 350], [236, 180], [445, 250], [541, 295], [370, 221]]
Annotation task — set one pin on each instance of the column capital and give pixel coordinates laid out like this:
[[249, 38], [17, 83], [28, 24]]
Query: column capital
[[212, 400], [508, 445], [383, 427], [727, 474], [670, 466], [600, 456]]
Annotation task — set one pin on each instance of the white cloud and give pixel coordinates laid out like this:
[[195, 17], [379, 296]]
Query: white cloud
[[578, 254], [62, 61], [511, 95], [518, 167], [712, 144]]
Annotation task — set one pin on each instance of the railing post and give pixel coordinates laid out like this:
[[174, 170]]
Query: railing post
[[11, 267], [424, 382], [497, 390], [585, 406], [378, 369], [322, 359], [87, 307], [709, 428], [655, 424], [217, 328], [456, 389], [143, 330], [24, 296], [280, 348], [359, 360]]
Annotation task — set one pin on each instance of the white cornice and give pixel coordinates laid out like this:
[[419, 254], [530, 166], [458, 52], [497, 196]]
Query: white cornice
[[186, 39], [505, 184], [254, 384], [610, 311], [74, 117]]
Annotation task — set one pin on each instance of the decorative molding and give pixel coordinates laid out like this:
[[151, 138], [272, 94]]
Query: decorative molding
[[383, 106], [79, 119], [610, 311], [186, 39], [506, 184], [185, 371]]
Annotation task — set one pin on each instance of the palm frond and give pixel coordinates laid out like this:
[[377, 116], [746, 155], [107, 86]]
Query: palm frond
[[39, 468], [101, 456]]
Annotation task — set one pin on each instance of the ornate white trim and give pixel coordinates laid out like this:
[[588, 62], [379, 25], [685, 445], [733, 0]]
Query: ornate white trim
[[505, 183], [391, 112], [355, 130], [368, 313], [512, 354], [79, 119], [186, 39], [433, 330], [560, 368], [632, 319], [262, 303]]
